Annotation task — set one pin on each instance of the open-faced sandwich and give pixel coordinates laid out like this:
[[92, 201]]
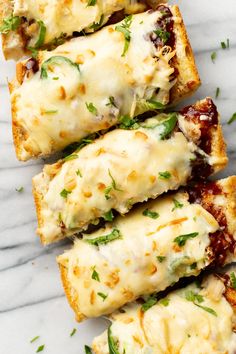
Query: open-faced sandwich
[[127, 165], [91, 83], [155, 245]]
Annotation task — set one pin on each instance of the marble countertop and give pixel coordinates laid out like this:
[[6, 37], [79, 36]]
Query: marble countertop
[[32, 301]]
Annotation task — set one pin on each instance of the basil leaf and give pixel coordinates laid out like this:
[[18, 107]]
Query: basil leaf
[[112, 344], [181, 240], [150, 214], [56, 60], [125, 29], [10, 23], [103, 240]]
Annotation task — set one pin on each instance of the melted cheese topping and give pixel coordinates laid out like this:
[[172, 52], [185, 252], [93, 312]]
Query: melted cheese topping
[[181, 327], [63, 16], [128, 162], [54, 112], [128, 267]]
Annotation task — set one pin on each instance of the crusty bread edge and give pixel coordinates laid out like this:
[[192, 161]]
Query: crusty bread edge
[[188, 79], [71, 296], [218, 148]]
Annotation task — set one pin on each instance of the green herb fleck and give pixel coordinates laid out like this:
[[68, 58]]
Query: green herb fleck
[[207, 309], [70, 157], [213, 57], [42, 35], [56, 60], [233, 280], [95, 26], [112, 186], [95, 275], [151, 214], [165, 302], [50, 112], [181, 240], [154, 105], [232, 119], [112, 344], [91, 3], [34, 339], [126, 122], [73, 332], [103, 240], [225, 45], [125, 29], [91, 108], [20, 189], [10, 23], [64, 193], [164, 175], [78, 172], [87, 349], [163, 35], [161, 258], [191, 296], [177, 204], [55, 78], [40, 348], [103, 296], [169, 125], [108, 216], [193, 266], [217, 92], [111, 102], [151, 301]]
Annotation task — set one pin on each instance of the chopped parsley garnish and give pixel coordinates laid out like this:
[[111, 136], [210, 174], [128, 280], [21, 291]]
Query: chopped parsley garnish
[[217, 92], [151, 301], [197, 300], [225, 45], [108, 216], [97, 25], [64, 193], [232, 119], [56, 60], [125, 29], [10, 23], [74, 330], [111, 102], [20, 189], [34, 339], [103, 296], [103, 240], [161, 258], [163, 35], [169, 125], [213, 57], [70, 157], [91, 3], [95, 275], [126, 122], [165, 302], [40, 348], [112, 186], [112, 344], [164, 175], [193, 265], [177, 204], [233, 280], [182, 239], [151, 214], [78, 172], [91, 108], [55, 78], [42, 35], [154, 105], [87, 349]]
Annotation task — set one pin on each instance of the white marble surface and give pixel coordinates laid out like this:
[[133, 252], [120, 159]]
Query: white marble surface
[[31, 296]]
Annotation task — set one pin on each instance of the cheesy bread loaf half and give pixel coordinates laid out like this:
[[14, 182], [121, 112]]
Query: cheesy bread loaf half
[[197, 319], [91, 83], [33, 24], [156, 244], [125, 166]]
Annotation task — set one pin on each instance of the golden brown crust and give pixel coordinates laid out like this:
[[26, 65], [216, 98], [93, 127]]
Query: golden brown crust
[[218, 148], [188, 79], [70, 294]]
